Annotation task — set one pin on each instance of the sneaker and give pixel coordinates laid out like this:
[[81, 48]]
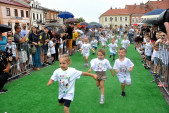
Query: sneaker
[[123, 94], [48, 63], [102, 100], [3, 91]]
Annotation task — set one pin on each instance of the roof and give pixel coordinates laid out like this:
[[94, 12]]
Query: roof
[[160, 4], [116, 12], [135, 9], [155, 12], [12, 2]]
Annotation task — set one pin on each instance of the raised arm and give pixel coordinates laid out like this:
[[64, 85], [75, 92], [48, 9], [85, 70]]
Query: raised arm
[[50, 82], [89, 74]]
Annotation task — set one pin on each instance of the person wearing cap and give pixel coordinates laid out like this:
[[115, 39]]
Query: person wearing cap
[[44, 39]]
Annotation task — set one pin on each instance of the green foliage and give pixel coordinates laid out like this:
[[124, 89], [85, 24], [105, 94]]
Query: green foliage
[[80, 19]]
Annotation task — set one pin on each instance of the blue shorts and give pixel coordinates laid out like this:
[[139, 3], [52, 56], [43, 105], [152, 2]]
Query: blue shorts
[[94, 47], [155, 60], [112, 54], [148, 58]]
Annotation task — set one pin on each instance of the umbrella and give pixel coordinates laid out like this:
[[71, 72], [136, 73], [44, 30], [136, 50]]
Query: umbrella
[[80, 31], [4, 28], [150, 21], [65, 15], [83, 24], [89, 26], [135, 24], [71, 20]]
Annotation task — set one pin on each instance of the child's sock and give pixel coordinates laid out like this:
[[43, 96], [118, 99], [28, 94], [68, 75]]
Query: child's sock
[[102, 99]]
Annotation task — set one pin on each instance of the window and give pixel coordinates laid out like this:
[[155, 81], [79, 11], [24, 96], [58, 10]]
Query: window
[[55, 17], [33, 16], [36, 6], [32, 5], [10, 24], [133, 19], [111, 19], [37, 17], [47, 15], [136, 19], [105, 19], [51, 16], [7, 11], [27, 13], [116, 19], [142, 19], [125, 18], [22, 13], [121, 18], [40, 17], [16, 12]]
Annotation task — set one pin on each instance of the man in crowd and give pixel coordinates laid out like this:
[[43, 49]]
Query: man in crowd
[[70, 31], [20, 40]]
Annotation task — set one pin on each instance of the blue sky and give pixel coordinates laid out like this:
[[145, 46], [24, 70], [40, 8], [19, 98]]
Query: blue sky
[[90, 10]]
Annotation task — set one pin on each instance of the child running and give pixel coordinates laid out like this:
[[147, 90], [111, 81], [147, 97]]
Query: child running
[[125, 43], [86, 50], [94, 43], [112, 48], [123, 66], [100, 65], [66, 76]]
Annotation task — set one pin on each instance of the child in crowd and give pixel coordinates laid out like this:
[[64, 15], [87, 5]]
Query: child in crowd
[[86, 50], [12, 46], [100, 65], [112, 36], [155, 56], [125, 42], [52, 49], [103, 41], [116, 40], [61, 46], [148, 51], [66, 76], [94, 43], [79, 43], [123, 66], [112, 48]]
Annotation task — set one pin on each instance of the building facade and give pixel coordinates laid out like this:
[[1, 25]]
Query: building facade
[[115, 17], [12, 12]]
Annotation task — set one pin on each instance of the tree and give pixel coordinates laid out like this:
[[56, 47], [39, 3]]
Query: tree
[[80, 19]]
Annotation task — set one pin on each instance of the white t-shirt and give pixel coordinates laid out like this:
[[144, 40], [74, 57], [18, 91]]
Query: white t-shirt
[[61, 43], [80, 43], [148, 49], [112, 37], [116, 41], [125, 43], [155, 53], [52, 48], [100, 65], [94, 43], [86, 49], [112, 47], [13, 47], [122, 67], [66, 81], [103, 41]]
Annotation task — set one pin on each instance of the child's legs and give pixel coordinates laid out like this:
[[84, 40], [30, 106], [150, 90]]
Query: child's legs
[[97, 83], [102, 87], [86, 59], [66, 109], [123, 87]]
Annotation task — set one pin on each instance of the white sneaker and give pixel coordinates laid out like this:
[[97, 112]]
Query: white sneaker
[[102, 100]]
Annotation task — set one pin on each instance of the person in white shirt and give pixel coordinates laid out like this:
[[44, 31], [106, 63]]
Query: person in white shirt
[[103, 41], [112, 48], [86, 50], [94, 43], [148, 52], [12, 46], [52, 49], [125, 43], [66, 77], [123, 66], [155, 57], [100, 65], [61, 46]]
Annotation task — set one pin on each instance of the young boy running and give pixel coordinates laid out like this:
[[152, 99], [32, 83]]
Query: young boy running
[[123, 66]]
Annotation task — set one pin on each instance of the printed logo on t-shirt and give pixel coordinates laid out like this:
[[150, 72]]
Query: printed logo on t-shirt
[[123, 69], [100, 66], [63, 83]]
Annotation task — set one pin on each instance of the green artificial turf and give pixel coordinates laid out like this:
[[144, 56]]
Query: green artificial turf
[[30, 94]]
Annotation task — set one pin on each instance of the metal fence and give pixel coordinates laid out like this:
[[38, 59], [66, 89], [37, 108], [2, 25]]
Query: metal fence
[[161, 77]]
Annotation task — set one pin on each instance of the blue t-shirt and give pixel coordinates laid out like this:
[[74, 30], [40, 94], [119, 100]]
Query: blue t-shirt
[[23, 33], [3, 43]]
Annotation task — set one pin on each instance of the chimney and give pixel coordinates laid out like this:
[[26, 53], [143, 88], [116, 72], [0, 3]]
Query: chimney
[[111, 7], [135, 4]]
